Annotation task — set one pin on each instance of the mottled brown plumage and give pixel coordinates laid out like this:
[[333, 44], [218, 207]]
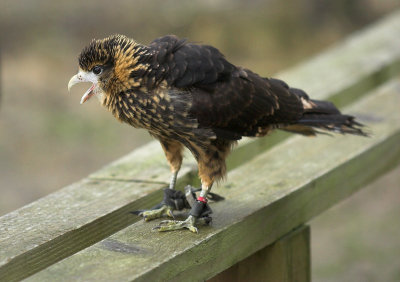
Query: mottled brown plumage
[[189, 95]]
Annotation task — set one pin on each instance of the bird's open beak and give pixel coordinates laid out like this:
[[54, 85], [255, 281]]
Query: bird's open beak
[[84, 77]]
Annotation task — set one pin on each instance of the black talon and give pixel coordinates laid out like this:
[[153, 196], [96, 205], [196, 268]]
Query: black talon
[[215, 197], [138, 212]]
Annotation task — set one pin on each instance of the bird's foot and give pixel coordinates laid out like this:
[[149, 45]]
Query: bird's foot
[[200, 213], [173, 200], [169, 225], [156, 213]]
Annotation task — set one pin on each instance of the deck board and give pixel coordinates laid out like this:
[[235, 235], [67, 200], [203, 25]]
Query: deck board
[[290, 184]]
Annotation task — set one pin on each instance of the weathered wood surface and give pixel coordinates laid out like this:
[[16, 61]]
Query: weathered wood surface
[[79, 215], [286, 260], [289, 184]]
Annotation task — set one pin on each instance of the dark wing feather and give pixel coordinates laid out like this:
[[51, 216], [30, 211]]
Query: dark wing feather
[[189, 65], [231, 101], [244, 104]]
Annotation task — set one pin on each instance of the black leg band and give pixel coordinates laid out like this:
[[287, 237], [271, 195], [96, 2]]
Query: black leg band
[[175, 199], [200, 209]]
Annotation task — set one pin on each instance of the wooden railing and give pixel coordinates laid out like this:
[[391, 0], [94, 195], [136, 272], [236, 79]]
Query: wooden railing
[[275, 186]]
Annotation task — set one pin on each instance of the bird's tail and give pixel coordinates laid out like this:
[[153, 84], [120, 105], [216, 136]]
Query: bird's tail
[[323, 115]]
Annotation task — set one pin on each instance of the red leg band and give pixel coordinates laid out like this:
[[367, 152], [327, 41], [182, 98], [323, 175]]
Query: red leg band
[[202, 199]]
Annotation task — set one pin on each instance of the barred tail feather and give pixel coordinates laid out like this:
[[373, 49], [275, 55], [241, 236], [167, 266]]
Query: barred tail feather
[[333, 122], [323, 115]]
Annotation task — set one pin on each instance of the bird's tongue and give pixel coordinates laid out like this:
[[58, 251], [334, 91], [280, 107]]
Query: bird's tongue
[[89, 93]]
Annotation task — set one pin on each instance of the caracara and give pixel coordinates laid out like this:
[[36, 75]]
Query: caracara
[[189, 95]]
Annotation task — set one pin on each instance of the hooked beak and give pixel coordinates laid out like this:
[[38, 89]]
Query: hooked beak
[[84, 77]]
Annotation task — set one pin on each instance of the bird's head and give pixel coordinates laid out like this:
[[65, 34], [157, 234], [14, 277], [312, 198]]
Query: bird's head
[[108, 64]]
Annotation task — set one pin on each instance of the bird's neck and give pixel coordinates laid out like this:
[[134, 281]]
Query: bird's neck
[[127, 106]]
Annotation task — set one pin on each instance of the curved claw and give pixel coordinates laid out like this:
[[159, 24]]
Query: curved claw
[[169, 225], [170, 213]]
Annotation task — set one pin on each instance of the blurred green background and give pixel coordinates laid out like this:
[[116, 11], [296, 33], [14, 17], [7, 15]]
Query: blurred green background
[[48, 140]]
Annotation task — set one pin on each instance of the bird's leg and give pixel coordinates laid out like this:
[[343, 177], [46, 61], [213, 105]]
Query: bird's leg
[[172, 182], [173, 199], [211, 163], [199, 213]]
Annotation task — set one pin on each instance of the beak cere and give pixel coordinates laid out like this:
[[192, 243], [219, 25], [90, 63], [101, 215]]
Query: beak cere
[[84, 77]]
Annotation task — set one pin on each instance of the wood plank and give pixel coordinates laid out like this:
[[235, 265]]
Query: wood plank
[[291, 183], [287, 259], [67, 221]]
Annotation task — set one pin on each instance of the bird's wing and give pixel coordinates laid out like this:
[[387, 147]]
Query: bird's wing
[[184, 64], [232, 101]]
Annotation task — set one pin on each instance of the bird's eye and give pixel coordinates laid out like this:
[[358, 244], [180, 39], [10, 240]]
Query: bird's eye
[[97, 70]]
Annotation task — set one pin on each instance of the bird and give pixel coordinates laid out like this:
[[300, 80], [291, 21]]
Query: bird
[[188, 95]]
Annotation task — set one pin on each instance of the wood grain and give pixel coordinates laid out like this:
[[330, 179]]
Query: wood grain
[[289, 184]]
